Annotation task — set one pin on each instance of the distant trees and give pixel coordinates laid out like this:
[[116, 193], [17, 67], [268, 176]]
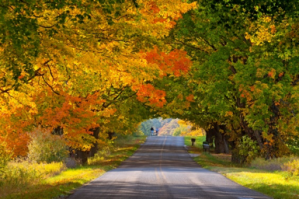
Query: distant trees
[[165, 126]]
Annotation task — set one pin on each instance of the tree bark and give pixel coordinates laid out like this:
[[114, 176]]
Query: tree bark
[[110, 135], [258, 138], [57, 131], [210, 134], [94, 149], [82, 156], [221, 145]]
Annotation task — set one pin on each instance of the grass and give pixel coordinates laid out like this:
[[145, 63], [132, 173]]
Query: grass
[[277, 184], [59, 184], [197, 144]]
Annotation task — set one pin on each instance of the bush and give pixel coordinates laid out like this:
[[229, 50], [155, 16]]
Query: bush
[[292, 167], [20, 175], [272, 164], [4, 157], [104, 152], [247, 149], [45, 147]]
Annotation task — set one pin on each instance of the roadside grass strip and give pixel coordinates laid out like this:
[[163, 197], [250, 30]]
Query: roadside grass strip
[[198, 141], [64, 182], [276, 184]]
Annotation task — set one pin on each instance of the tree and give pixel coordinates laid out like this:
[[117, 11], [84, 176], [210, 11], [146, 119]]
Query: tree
[[78, 66], [243, 74]]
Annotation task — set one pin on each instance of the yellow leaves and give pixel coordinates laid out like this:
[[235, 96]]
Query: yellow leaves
[[108, 112], [267, 136], [159, 16], [82, 62], [262, 35], [229, 114], [259, 73], [262, 31], [264, 86], [247, 35], [266, 19]]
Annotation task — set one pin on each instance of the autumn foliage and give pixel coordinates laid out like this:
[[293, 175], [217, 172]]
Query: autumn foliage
[[76, 68], [85, 69]]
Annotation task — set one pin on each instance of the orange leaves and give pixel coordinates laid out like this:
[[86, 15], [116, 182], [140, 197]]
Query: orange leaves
[[273, 29], [245, 93], [157, 20], [154, 8], [108, 112], [272, 73], [190, 98], [229, 113], [21, 76], [165, 12], [175, 62], [148, 92]]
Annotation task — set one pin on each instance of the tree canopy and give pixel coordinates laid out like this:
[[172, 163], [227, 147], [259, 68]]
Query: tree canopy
[[82, 67]]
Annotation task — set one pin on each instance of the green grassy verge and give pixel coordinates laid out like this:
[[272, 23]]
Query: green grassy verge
[[63, 184], [277, 184], [198, 142]]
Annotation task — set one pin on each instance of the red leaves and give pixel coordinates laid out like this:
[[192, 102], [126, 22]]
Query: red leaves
[[21, 76], [175, 62], [190, 98], [245, 93], [154, 7], [157, 20], [148, 92], [272, 73]]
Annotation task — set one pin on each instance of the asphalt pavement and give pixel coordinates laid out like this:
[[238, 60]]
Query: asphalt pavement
[[162, 168]]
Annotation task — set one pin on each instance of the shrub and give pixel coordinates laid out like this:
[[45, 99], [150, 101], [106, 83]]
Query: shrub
[[104, 152], [247, 149], [292, 167], [4, 157], [272, 164], [20, 175], [45, 147]]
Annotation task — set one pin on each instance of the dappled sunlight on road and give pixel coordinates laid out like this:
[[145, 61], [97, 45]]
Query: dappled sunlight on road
[[162, 168]]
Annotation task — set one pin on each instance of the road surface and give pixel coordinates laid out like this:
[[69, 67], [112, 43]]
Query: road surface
[[162, 168]]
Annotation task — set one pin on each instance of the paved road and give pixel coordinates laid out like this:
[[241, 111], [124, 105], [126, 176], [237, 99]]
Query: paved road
[[162, 168]]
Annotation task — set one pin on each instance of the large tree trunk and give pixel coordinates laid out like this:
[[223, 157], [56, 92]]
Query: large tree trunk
[[82, 156], [236, 158], [221, 144], [210, 134], [94, 149], [257, 135], [214, 135], [110, 135], [57, 131]]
